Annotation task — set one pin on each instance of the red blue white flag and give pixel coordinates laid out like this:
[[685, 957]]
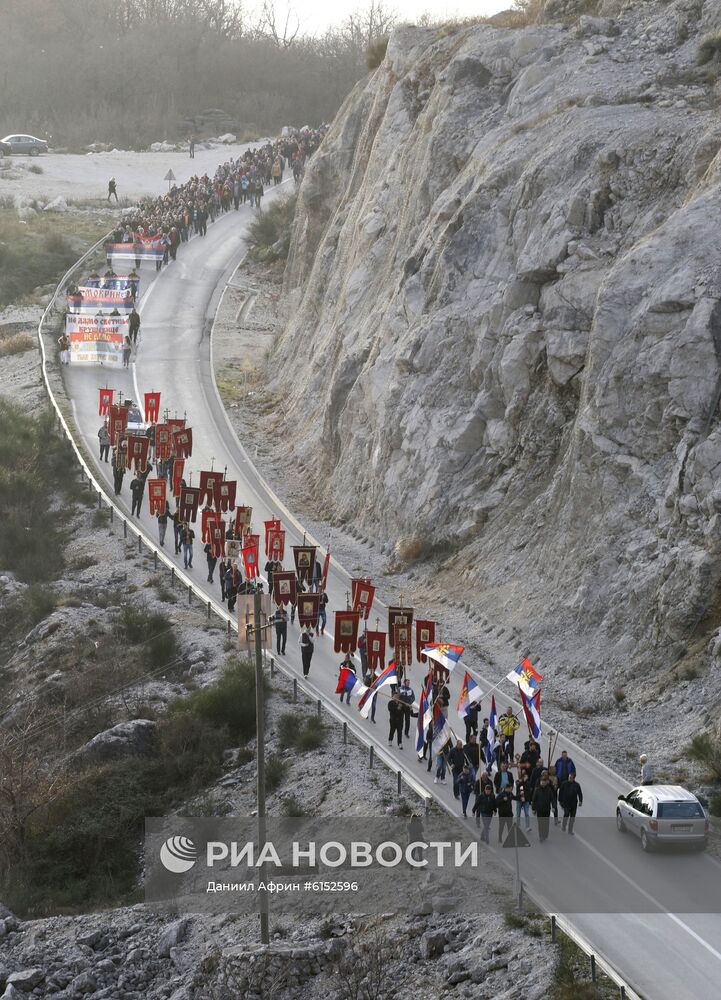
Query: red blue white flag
[[532, 711], [446, 653], [470, 694], [526, 677]]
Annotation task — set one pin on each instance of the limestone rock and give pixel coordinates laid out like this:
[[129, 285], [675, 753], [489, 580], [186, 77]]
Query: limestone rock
[[135, 736]]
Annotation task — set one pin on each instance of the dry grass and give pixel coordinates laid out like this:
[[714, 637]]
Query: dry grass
[[18, 343]]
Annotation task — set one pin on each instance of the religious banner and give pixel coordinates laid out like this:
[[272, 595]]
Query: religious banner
[[178, 466], [326, 567], [216, 527], [105, 401], [272, 525], [206, 515], [121, 454], [363, 593], [138, 445], [376, 650], [308, 608], [243, 517], [304, 556], [232, 548], [403, 644], [96, 340], [163, 442], [425, 633], [249, 539], [276, 544], [152, 407], [346, 631], [207, 485], [284, 587], [89, 300], [400, 616], [117, 422], [183, 442], [224, 494], [250, 561], [156, 496], [189, 498], [175, 423]]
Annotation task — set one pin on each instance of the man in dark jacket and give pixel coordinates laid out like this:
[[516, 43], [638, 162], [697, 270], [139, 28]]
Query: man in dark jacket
[[571, 797], [504, 805], [473, 756], [137, 488], [395, 713], [484, 808], [280, 620], [457, 759], [134, 326], [542, 803], [271, 567], [212, 560], [564, 767], [471, 721], [306, 649], [407, 697], [503, 778]]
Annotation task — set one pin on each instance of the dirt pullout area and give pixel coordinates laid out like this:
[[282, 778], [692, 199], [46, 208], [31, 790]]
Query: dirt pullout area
[[83, 176], [248, 322]]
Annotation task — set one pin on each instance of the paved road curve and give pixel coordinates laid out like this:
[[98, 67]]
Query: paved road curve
[[663, 956]]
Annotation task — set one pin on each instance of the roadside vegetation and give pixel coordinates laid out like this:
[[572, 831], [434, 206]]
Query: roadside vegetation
[[269, 232]]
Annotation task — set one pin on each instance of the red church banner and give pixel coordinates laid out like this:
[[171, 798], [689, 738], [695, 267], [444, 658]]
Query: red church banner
[[117, 422], [138, 452], [207, 485], [425, 633], [243, 516], [152, 407], [363, 593], [217, 536], [105, 401], [156, 496], [284, 587], [183, 442], [175, 423], [346, 631], [376, 650], [188, 503], [308, 607], [326, 567], [400, 616], [163, 441], [403, 643], [272, 525], [121, 454], [224, 495], [207, 514], [276, 544], [304, 556], [178, 467], [250, 561]]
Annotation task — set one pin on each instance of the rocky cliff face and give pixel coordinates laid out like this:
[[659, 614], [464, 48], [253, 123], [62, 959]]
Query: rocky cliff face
[[505, 323]]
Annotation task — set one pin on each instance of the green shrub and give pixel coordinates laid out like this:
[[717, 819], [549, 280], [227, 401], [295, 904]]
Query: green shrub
[[706, 749], [709, 48], [376, 52], [274, 771], [150, 630], [299, 733], [292, 807], [269, 232], [715, 805], [229, 703], [35, 168], [28, 608]]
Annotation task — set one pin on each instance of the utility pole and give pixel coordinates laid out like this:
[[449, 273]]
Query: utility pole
[[260, 754]]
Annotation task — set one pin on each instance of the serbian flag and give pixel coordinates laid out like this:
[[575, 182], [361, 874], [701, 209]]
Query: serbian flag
[[347, 681], [492, 723], [527, 678], [152, 407], [532, 711], [250, 561], [445, 653], [326, 565], [442, 732], [272, 525], [105, 401], [470, 692], [387, 676], [425, 715]]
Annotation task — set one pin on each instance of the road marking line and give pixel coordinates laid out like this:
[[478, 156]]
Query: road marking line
[[652, 899]]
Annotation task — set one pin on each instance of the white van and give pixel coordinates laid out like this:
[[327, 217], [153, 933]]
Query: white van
[[663, 815]]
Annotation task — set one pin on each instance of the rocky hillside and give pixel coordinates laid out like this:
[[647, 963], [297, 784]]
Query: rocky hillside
[[504, 334]]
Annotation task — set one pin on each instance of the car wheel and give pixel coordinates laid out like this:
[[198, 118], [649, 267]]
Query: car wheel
[[646, 844], [620, 825], [35, 151]]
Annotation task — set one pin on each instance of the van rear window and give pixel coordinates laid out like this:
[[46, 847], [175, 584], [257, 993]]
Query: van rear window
[[680, 810]]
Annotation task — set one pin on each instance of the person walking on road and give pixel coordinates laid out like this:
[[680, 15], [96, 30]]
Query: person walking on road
[[570, 796], [64, 345], [542, 803], [483, 809], [306, 649], [504, 805], [104, 439], [137, 488], [186, 540], [457, 760], [212, 560], [395, 715], [347, 664], [507, 725], [280, 620], [522, 798], [134, 325], [118, 473], [407, 697], [564, 766], [191, 147], [112, 189], [163, 524], [322, 612], [127, 351]]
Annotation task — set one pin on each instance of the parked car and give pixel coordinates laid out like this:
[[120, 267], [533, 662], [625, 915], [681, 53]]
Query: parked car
[[23, 144], [663, 816]]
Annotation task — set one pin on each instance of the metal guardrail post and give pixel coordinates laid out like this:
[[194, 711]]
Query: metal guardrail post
[[400, 779], [140, 544], [209, 609], [155, 559], [295, 690], [320, 708], [553, 928], [100, 500], [172, 579], [272, 663], [190, 595], [125, 529], [623, 992], [370, 767], [112, 515], [345, 733], [593, 968]]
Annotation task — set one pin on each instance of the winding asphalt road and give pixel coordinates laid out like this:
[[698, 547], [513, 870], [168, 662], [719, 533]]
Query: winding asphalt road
[[655, 918]]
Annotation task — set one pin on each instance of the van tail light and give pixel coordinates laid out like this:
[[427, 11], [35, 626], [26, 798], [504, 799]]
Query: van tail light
[[654, 825]]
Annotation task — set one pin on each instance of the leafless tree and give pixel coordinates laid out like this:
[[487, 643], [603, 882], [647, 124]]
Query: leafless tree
[[282, 29]]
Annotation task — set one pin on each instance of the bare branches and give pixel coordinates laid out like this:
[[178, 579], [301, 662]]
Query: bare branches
[[283, 30]]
